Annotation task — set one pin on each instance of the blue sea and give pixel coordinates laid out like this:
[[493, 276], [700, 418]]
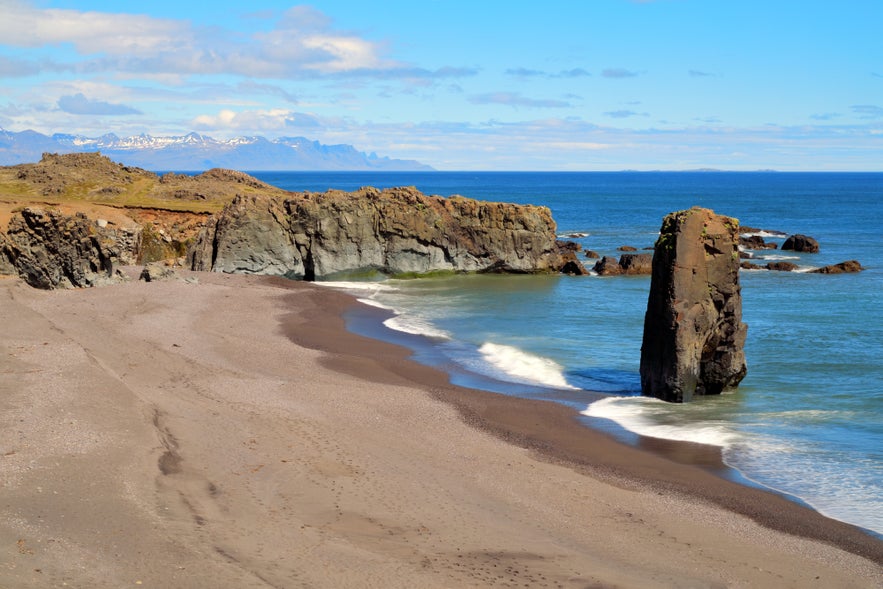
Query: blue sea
[[807, 421]]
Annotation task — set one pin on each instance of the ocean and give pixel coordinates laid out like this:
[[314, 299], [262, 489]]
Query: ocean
[[807, 420]]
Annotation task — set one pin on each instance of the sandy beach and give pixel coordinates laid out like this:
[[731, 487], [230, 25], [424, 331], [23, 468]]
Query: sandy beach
[[229, 432]]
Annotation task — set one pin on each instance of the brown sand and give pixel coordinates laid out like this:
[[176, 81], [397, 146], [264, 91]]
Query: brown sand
[[233, 434]]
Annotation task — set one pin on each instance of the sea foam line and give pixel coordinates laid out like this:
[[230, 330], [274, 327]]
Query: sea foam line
[[407, 323], [524, 366], [632, 414]]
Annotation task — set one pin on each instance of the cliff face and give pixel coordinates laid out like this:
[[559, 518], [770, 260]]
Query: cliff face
[[693, 332], [393, 231], [51, 250]]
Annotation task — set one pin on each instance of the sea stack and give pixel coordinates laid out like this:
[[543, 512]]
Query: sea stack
[[693, 332]]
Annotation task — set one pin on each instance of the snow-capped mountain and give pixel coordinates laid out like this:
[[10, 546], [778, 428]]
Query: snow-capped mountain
[[195, 152]]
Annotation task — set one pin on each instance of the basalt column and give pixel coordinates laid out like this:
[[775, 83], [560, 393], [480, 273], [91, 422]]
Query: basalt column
[[693, 332]]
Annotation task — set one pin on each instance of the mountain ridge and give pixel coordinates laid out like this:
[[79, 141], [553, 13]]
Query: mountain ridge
[[196, 152]]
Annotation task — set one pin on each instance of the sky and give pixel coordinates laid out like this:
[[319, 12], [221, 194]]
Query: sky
[[466, 85]]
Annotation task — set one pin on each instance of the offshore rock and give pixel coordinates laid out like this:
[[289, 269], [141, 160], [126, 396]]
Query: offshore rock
[[847, 267], [393, 231], [693, 332], [49, 250], [801, 243], [632, 264], [636, 263], [607, 266]]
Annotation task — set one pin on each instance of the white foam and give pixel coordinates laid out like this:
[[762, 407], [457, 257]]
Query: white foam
[[775, 257], [633, 413], [373, 303], [573, 235], [407, 323], [525, 366], [373, 287], [764, 234]]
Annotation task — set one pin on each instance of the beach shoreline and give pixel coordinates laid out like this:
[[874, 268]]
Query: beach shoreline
[[554, 432], [233, 433]]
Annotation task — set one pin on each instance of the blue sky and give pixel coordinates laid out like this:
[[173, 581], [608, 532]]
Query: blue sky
[[480, 84]]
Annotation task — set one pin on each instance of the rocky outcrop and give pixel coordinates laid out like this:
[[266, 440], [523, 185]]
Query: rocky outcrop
[[636, 263], [632, 264], [801, 243], [756, 242], [782, 266], [841, 268], [51, 250], [693, 331], [607, 266], [393, 231]]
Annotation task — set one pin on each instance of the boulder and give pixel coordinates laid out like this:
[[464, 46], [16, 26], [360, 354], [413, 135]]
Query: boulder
[[781, 266], [801, 243], [694, 338], [392, 231], [756, 242], [156, 271], [607, 266], [841, 268], [592, 255], [626, 248], [636, 263]]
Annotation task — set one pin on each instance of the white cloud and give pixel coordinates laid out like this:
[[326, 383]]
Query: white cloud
[[78, 104], [24, 25], [302, 42], [272, 121]]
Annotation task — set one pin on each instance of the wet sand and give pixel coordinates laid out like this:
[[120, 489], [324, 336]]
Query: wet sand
[[232, 433]]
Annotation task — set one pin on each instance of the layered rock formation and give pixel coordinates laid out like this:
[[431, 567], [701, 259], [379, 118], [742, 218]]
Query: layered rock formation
[[392, 231], [693, 331], [49, 249]]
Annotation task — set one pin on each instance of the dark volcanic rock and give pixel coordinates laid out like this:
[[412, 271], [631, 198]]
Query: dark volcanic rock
[[841, 268], [693, 331], [801, 243], [781, 266], [636, 263], [50, 250], [608, 266], [394, 231], [756, 242], [627, 264]]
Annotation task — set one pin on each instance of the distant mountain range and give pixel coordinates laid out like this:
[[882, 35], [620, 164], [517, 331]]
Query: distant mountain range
[[195, 152]]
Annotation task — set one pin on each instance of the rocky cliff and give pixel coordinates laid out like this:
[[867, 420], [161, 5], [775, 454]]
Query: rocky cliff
[[393, 231], [50, 250], [693, 331]]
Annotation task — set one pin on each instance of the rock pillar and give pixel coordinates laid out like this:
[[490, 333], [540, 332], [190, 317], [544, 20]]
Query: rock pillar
[[693, 332]]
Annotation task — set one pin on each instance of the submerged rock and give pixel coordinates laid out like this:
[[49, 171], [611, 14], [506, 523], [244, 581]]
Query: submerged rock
[[841, 268], [694, 337], [393, 231]]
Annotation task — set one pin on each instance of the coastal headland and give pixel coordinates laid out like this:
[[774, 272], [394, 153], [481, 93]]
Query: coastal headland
[[227, 430]]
